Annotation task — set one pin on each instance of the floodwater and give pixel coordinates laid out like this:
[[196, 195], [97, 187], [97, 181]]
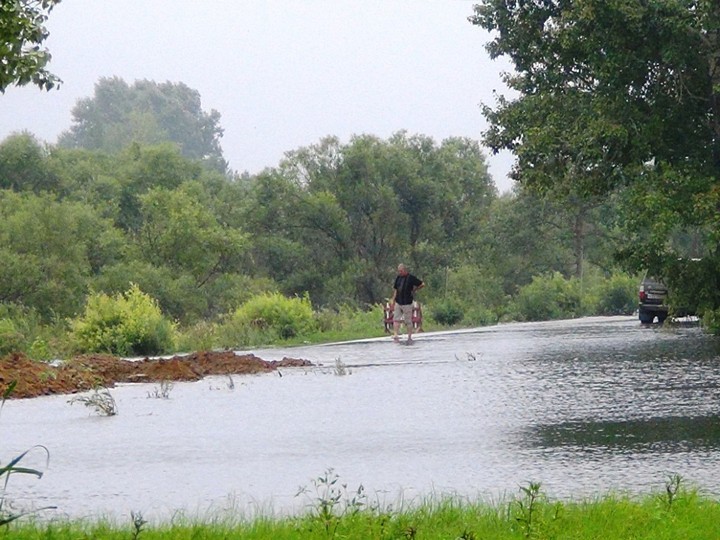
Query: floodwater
[[585, 407]]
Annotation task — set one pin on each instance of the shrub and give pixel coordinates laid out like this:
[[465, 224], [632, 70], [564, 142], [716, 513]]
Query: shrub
[[711, 321], [548, 297], [469, 295], [176, 293], [285, 317], [11, 339], [692, 285], [348, 321], [447, 312], [22, 330], [617, 295], [124, 324], [479, 316], [201, 336], [233, 334]]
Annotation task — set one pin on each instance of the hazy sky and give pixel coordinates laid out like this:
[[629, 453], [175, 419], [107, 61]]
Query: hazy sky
[[282, 73]]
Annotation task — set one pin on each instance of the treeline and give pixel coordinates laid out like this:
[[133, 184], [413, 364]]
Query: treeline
[[96, 238], [132, 236], [135, 211]]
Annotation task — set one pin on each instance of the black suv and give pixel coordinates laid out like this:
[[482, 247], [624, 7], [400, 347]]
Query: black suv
[[653, 294]]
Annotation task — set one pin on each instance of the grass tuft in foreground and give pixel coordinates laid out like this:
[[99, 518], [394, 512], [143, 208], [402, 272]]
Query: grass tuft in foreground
[[339, 513]]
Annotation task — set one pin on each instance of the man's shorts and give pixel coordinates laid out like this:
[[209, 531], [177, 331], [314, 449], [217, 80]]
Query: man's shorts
[[403, 312]]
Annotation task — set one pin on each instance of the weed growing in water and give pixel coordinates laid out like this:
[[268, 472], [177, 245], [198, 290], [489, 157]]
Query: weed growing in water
[[340, 368], [100, 400], [470, 357], [163, 392], [229, 384], [13, 468]]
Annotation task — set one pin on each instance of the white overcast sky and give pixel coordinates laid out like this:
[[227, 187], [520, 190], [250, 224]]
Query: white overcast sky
[[282, 73]]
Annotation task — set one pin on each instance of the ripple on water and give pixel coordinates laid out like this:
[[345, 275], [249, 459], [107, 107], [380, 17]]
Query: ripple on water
[[582, 406]]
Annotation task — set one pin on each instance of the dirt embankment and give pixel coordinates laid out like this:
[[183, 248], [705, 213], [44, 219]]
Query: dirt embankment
[[91, 371]]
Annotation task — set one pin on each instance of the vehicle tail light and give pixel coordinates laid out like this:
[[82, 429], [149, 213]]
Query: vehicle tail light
[[643, 296]]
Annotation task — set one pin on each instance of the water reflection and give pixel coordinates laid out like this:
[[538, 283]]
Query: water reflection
[[674, 434]]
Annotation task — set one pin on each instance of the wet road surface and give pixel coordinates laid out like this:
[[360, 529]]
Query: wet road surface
[[585, 407]]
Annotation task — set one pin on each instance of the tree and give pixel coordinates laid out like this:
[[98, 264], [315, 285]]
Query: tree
[[297, 238], [22, 32], [143, 168], [607, 89], [146, 113], [88, 176], [611, 94], [461, 192], [336, 219], [50, 248], [23, 164], [617, 83], [179, 232]]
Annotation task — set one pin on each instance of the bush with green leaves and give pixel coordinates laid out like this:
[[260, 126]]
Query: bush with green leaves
[[551, 296], [447, 312], [693, 286], [711, 321], [22, 330], [129, 323], [469, 295], [347, 320], [275, 314], [178, 293], [479, 315], [548, 297], [201, 336], [616, 295], [11, 338]]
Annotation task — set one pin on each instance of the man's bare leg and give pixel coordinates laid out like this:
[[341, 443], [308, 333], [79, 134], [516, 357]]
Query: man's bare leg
[[408, 325]]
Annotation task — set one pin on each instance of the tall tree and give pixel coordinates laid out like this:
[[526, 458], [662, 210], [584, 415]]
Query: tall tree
[[617, 83], [146, 113], [457, 191], [615, 93], [343, 216], [22, 32]]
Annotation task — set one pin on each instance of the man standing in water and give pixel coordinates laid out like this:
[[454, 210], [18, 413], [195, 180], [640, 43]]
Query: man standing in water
[[403, 294]]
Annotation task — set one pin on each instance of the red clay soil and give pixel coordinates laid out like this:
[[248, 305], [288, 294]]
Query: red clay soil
[[91, 371]]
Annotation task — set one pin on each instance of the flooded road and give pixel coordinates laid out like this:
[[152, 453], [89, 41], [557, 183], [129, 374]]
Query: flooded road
[[585, 407]]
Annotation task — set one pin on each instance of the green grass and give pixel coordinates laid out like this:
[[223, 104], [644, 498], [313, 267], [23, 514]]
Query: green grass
[[348, 324], [653, 517], [343, 324]]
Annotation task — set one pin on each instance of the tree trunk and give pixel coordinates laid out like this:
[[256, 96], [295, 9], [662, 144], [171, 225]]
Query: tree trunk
[[579, 240]]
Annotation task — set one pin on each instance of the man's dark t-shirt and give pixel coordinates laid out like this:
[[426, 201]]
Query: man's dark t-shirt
[[404, 286]]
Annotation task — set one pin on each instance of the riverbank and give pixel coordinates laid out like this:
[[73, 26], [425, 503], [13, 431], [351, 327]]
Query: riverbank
[[81, 373], [674, 514]]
